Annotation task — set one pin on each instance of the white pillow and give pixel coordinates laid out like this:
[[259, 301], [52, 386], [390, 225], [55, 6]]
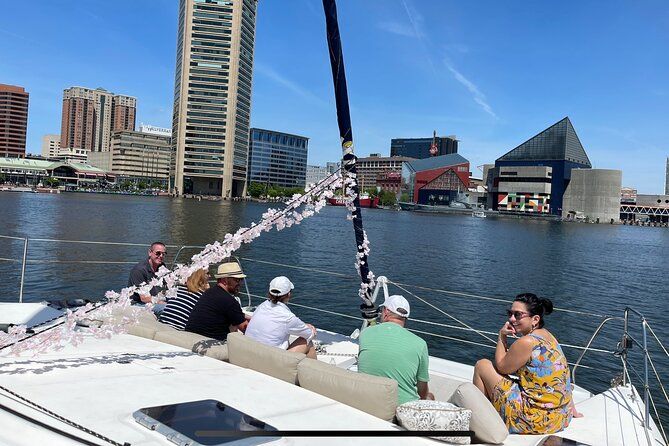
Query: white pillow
[[426, 415]]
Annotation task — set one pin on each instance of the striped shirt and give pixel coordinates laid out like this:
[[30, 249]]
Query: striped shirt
[[178, 310]]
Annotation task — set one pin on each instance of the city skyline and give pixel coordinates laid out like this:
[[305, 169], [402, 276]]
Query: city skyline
[[491, 74]]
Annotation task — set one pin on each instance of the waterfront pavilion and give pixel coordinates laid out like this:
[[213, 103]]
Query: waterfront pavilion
[[32, 172]]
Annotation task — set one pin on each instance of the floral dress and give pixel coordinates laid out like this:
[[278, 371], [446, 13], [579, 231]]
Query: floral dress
[[539, 401]]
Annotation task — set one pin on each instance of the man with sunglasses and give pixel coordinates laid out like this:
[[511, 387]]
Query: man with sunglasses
[[146, 270]]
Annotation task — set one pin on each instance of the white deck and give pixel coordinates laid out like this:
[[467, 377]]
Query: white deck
[[89, 385]]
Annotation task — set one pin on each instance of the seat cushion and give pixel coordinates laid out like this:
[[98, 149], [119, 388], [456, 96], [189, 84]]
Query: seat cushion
[[486, 423], [426, 415], [212, 348], [183, 339], [245, 352], [374, 395]]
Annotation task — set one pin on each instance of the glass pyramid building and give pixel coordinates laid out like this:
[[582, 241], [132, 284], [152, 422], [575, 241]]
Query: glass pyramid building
[[557, 147], [558, 142]]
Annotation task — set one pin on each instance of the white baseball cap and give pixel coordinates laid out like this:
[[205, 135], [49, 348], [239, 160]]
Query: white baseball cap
[[398, 305], [280, 286]]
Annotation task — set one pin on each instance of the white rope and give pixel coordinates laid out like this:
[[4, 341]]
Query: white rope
[[436, 290], [332, 273], [422, 321], [88, 242], [657, 339], [96, 262], [302, 268], [12, 238], [445, 313]]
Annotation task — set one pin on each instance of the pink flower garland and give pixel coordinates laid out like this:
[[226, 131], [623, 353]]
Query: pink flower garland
[[313, 200]]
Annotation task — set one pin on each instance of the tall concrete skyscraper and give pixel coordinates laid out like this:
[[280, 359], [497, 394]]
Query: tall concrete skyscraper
[[212, 96], [13, 121], [90, 116]]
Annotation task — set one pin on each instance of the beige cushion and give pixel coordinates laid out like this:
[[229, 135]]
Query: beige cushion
[[143, 329], [245, 352], [443, 387], [426, 415], [486, 423], [374, 395], [183, 339], [213, 348]]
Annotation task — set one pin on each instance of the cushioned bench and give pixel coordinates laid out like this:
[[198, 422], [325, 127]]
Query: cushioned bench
[[148, 327], [374, 395], [371, 394]]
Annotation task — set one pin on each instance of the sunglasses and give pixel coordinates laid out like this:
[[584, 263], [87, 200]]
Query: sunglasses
[[518, 315], [160, 253]]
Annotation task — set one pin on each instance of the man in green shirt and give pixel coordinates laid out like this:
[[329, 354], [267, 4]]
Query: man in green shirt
[[388, 349]]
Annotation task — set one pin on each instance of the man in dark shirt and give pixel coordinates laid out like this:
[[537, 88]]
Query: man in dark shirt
[[217, 312], [145, 270]]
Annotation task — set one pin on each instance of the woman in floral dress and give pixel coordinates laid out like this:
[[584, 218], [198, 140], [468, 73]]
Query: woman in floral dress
[[529, 383]]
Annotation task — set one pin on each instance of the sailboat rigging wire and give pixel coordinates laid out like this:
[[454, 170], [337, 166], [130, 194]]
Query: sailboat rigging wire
[[657, 376], [657, 339], [444, 312], [60, 418], [436, 290], [348, 157]]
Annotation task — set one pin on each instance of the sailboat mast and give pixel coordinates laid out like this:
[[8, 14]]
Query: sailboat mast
[[346, 135]]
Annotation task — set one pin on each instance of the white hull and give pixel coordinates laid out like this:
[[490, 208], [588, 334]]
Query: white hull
[[100, 383]]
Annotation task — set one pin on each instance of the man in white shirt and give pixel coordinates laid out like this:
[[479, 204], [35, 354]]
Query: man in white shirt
[[273, 322]]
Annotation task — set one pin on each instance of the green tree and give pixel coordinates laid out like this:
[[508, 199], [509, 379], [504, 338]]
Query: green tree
[[51, 182], [387, 198], [142, 185], [126, 185], [256, 189]]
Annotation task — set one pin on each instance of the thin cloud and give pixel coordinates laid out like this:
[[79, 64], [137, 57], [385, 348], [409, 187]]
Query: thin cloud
[[416, 23], [399, 29], [290, 85], [457, 48], [478, 96]]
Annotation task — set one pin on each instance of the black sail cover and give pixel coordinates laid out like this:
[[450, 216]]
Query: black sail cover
[[346, 134]]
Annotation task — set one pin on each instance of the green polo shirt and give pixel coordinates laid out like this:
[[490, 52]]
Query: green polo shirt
[[392, 351]]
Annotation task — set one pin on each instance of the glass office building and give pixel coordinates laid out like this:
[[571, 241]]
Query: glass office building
[[277, 158], [419, 148]]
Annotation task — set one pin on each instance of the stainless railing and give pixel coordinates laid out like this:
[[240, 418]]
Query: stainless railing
[[624, 346], [626, 343]]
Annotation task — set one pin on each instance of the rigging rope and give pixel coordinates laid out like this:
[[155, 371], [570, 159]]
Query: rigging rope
[[62, 419], [444, 313], [436, 290], [438, 324]]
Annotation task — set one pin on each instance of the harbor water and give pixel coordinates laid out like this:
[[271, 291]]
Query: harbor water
[[460, 264]]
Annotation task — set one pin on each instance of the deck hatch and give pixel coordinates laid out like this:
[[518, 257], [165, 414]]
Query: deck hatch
[[204, 422]]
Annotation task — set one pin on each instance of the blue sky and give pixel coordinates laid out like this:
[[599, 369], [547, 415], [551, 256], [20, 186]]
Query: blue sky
[[493, 73]]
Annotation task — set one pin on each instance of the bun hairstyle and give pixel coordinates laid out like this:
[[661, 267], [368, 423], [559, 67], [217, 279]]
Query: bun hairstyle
[[536, 306]]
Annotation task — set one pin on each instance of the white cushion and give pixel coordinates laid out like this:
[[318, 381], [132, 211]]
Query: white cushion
[[486, 423], [426, 415]]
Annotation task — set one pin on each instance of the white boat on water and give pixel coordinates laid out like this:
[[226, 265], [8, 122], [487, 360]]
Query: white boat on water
[[479, 214]]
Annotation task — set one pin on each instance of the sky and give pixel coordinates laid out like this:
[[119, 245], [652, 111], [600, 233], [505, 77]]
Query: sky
[[492, 73]]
